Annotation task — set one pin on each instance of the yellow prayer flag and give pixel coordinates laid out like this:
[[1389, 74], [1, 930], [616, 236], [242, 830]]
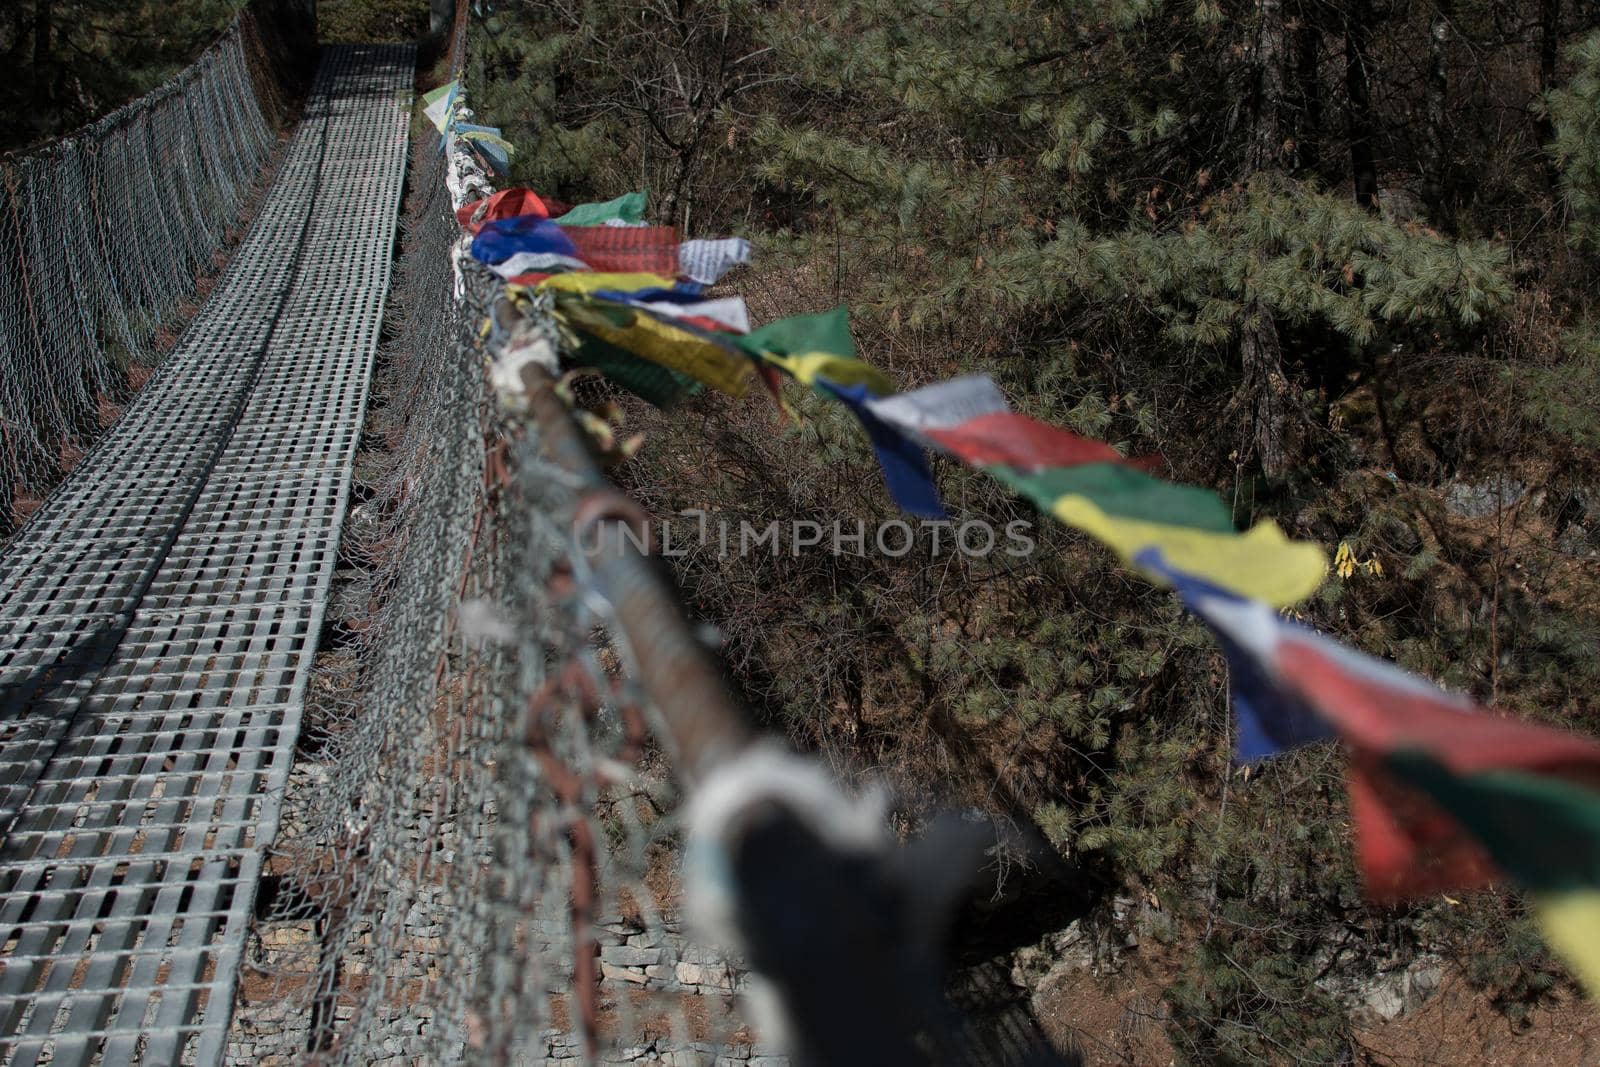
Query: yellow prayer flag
[[660, 342], [1259, 564], [584, 281], [840, 370], [1570, 921]]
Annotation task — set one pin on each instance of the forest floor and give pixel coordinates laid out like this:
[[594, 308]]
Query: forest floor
[[1119, 1021]]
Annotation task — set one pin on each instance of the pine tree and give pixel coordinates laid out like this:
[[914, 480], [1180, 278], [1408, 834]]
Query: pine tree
[[1307, 254], [73, 60]]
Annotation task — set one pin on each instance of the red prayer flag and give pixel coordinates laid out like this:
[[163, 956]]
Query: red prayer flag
[[506, 204], [1004, 437], [1381, 708], [705, 323], [1406, 845], [626, 249]]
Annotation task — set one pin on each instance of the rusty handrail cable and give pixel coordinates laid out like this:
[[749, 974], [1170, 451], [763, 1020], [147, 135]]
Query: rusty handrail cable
[[841, 926], [704, 729]]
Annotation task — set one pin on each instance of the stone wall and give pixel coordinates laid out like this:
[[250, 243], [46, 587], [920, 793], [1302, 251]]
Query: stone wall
[[271, 1028]]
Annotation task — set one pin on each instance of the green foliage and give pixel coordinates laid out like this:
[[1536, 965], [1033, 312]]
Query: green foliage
[[1575, 115], [1309, 257], [1511, 963], [1564, 396], [1098, 210], [357, 21], [70, 61], [1246, 1001]]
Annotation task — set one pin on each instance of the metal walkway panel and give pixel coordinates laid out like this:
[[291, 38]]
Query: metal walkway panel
[[159, 615]]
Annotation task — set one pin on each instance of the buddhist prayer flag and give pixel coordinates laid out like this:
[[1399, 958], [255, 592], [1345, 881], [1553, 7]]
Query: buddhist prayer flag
[[626, 208], [1443, 795], [1089, 485], [650, 381], [522, 264], [823, 331], [1570, 921], [626, 249], [487, 142], [1130, 512], [436, 105], [498, 241], [1003, 437], [707, 261], [816, 349], [819, 351], [941, 405], [699, 354], [506, 204], [905, 468], [678, 293], [727, 313], [602, 282]]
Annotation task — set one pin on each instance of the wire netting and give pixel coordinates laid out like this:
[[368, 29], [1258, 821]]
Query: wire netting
[[478, 855], [106, 236]]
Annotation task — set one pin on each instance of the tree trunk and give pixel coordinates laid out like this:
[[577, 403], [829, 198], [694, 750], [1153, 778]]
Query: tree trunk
[[1434, 166], [1308, 92], [441, 16], [1363, 165], [1260, 352], [1266, 142], [1549, 42], [1264, 383], [1549, 53], [43, 68]]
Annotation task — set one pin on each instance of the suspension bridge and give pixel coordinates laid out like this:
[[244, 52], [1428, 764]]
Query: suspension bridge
[[160, 611], [437, 776]]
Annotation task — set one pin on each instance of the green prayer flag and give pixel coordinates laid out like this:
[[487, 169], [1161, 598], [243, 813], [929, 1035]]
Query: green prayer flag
[[661, 386], [629, 207], [1123, 492], [825, 331], [1541, 830]]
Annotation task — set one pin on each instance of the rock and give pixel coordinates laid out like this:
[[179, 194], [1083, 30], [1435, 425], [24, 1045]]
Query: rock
[[632, 955], [696, 954], [622, 974], [1384, 996], [1425, 976], [688, 1058], [1468, 500], [1575, 541], [708, 974], [1390, 994]]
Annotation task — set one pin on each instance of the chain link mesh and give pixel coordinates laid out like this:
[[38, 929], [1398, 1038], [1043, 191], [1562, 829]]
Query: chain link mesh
[[479, 851], [108, 235], [478, 855]]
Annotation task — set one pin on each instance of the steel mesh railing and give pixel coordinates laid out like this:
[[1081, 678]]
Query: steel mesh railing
[[163, 607], [481, 830], [476, 855], [106, 235], [482, 852]]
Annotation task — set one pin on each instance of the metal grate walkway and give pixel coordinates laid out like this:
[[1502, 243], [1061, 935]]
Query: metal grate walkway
[[159, 615]]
